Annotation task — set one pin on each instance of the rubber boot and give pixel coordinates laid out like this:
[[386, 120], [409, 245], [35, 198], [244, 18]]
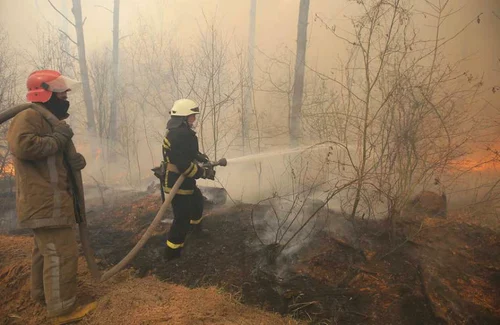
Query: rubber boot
[[171, 254], [199, 231], [78, 314]]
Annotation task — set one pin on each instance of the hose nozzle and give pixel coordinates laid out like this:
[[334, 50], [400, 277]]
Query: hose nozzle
[[222, 162]]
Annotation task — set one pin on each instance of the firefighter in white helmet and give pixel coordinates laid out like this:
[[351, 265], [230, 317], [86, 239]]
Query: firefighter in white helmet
[[181, 154]]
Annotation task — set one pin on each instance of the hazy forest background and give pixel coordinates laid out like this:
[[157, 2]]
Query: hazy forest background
[[359, 104]]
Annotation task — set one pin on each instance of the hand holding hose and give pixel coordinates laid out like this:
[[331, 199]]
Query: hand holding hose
[[208, 168], [208, 173], [62, 133]]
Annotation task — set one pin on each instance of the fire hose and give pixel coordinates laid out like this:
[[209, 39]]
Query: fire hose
[[133, 252], [77, 184], [155, 222]]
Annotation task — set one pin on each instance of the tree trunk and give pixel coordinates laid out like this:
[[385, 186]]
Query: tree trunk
[[298, 84], [116, 43], [87, 95], [67, 63], [247, 104]]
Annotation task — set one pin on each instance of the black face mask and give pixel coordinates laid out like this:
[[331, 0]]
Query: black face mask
[[58, 107]]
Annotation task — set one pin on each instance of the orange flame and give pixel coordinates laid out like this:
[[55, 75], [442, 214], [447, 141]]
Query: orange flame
[[98, 153], [8, 170], [475, 165]]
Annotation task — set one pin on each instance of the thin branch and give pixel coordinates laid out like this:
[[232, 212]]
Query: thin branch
[[409, 238], [461, 30], [69, 21], [435, 7], [452, 12], [337, 82], [333, 30], [69, 54], [111, 11], [68, 37]]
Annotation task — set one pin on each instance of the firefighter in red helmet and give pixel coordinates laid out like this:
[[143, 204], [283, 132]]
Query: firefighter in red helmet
[[44, 201]]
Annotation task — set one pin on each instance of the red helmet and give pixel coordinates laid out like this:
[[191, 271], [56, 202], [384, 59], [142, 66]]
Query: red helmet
[[41, 84]]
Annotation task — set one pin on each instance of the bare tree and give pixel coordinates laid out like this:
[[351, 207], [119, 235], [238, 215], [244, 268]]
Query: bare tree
[[82, 61], [298, 85], [8, 97], [248, 96], [205, 73], [50, 52], [401, 109], [215, 89], [496, 88], [100, 72], [115, 80]]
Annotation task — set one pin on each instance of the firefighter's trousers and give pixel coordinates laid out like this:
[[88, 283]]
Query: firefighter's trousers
[[188, 212], [53, 269]]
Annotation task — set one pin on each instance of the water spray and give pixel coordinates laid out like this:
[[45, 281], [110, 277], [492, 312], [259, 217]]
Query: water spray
[[263, 155], [209, 164]]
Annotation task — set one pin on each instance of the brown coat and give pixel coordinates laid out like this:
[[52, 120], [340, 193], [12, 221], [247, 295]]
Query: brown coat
[[43, 196]]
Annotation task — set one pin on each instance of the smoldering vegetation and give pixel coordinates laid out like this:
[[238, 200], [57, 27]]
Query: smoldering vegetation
[[374, 122]]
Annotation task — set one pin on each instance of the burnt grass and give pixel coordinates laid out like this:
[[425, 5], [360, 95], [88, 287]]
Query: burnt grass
[[329, 281]]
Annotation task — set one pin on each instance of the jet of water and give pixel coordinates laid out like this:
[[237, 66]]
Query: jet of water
[[282, 152]]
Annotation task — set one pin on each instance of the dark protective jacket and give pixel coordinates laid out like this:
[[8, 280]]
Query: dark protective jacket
[[180, 149]]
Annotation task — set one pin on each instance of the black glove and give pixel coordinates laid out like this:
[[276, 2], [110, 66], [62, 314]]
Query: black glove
[[160, 171], [208, 173], [201, 157], [62, 133]]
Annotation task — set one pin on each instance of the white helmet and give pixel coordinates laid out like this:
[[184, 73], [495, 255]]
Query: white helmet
[[184, 107]]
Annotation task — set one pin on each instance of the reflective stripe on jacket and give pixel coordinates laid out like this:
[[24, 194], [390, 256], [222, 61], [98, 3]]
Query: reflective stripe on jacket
[[180, 148]]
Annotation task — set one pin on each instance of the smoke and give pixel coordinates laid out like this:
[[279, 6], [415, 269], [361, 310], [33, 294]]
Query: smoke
[[255, 177], [162, 59], [287, 221]]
